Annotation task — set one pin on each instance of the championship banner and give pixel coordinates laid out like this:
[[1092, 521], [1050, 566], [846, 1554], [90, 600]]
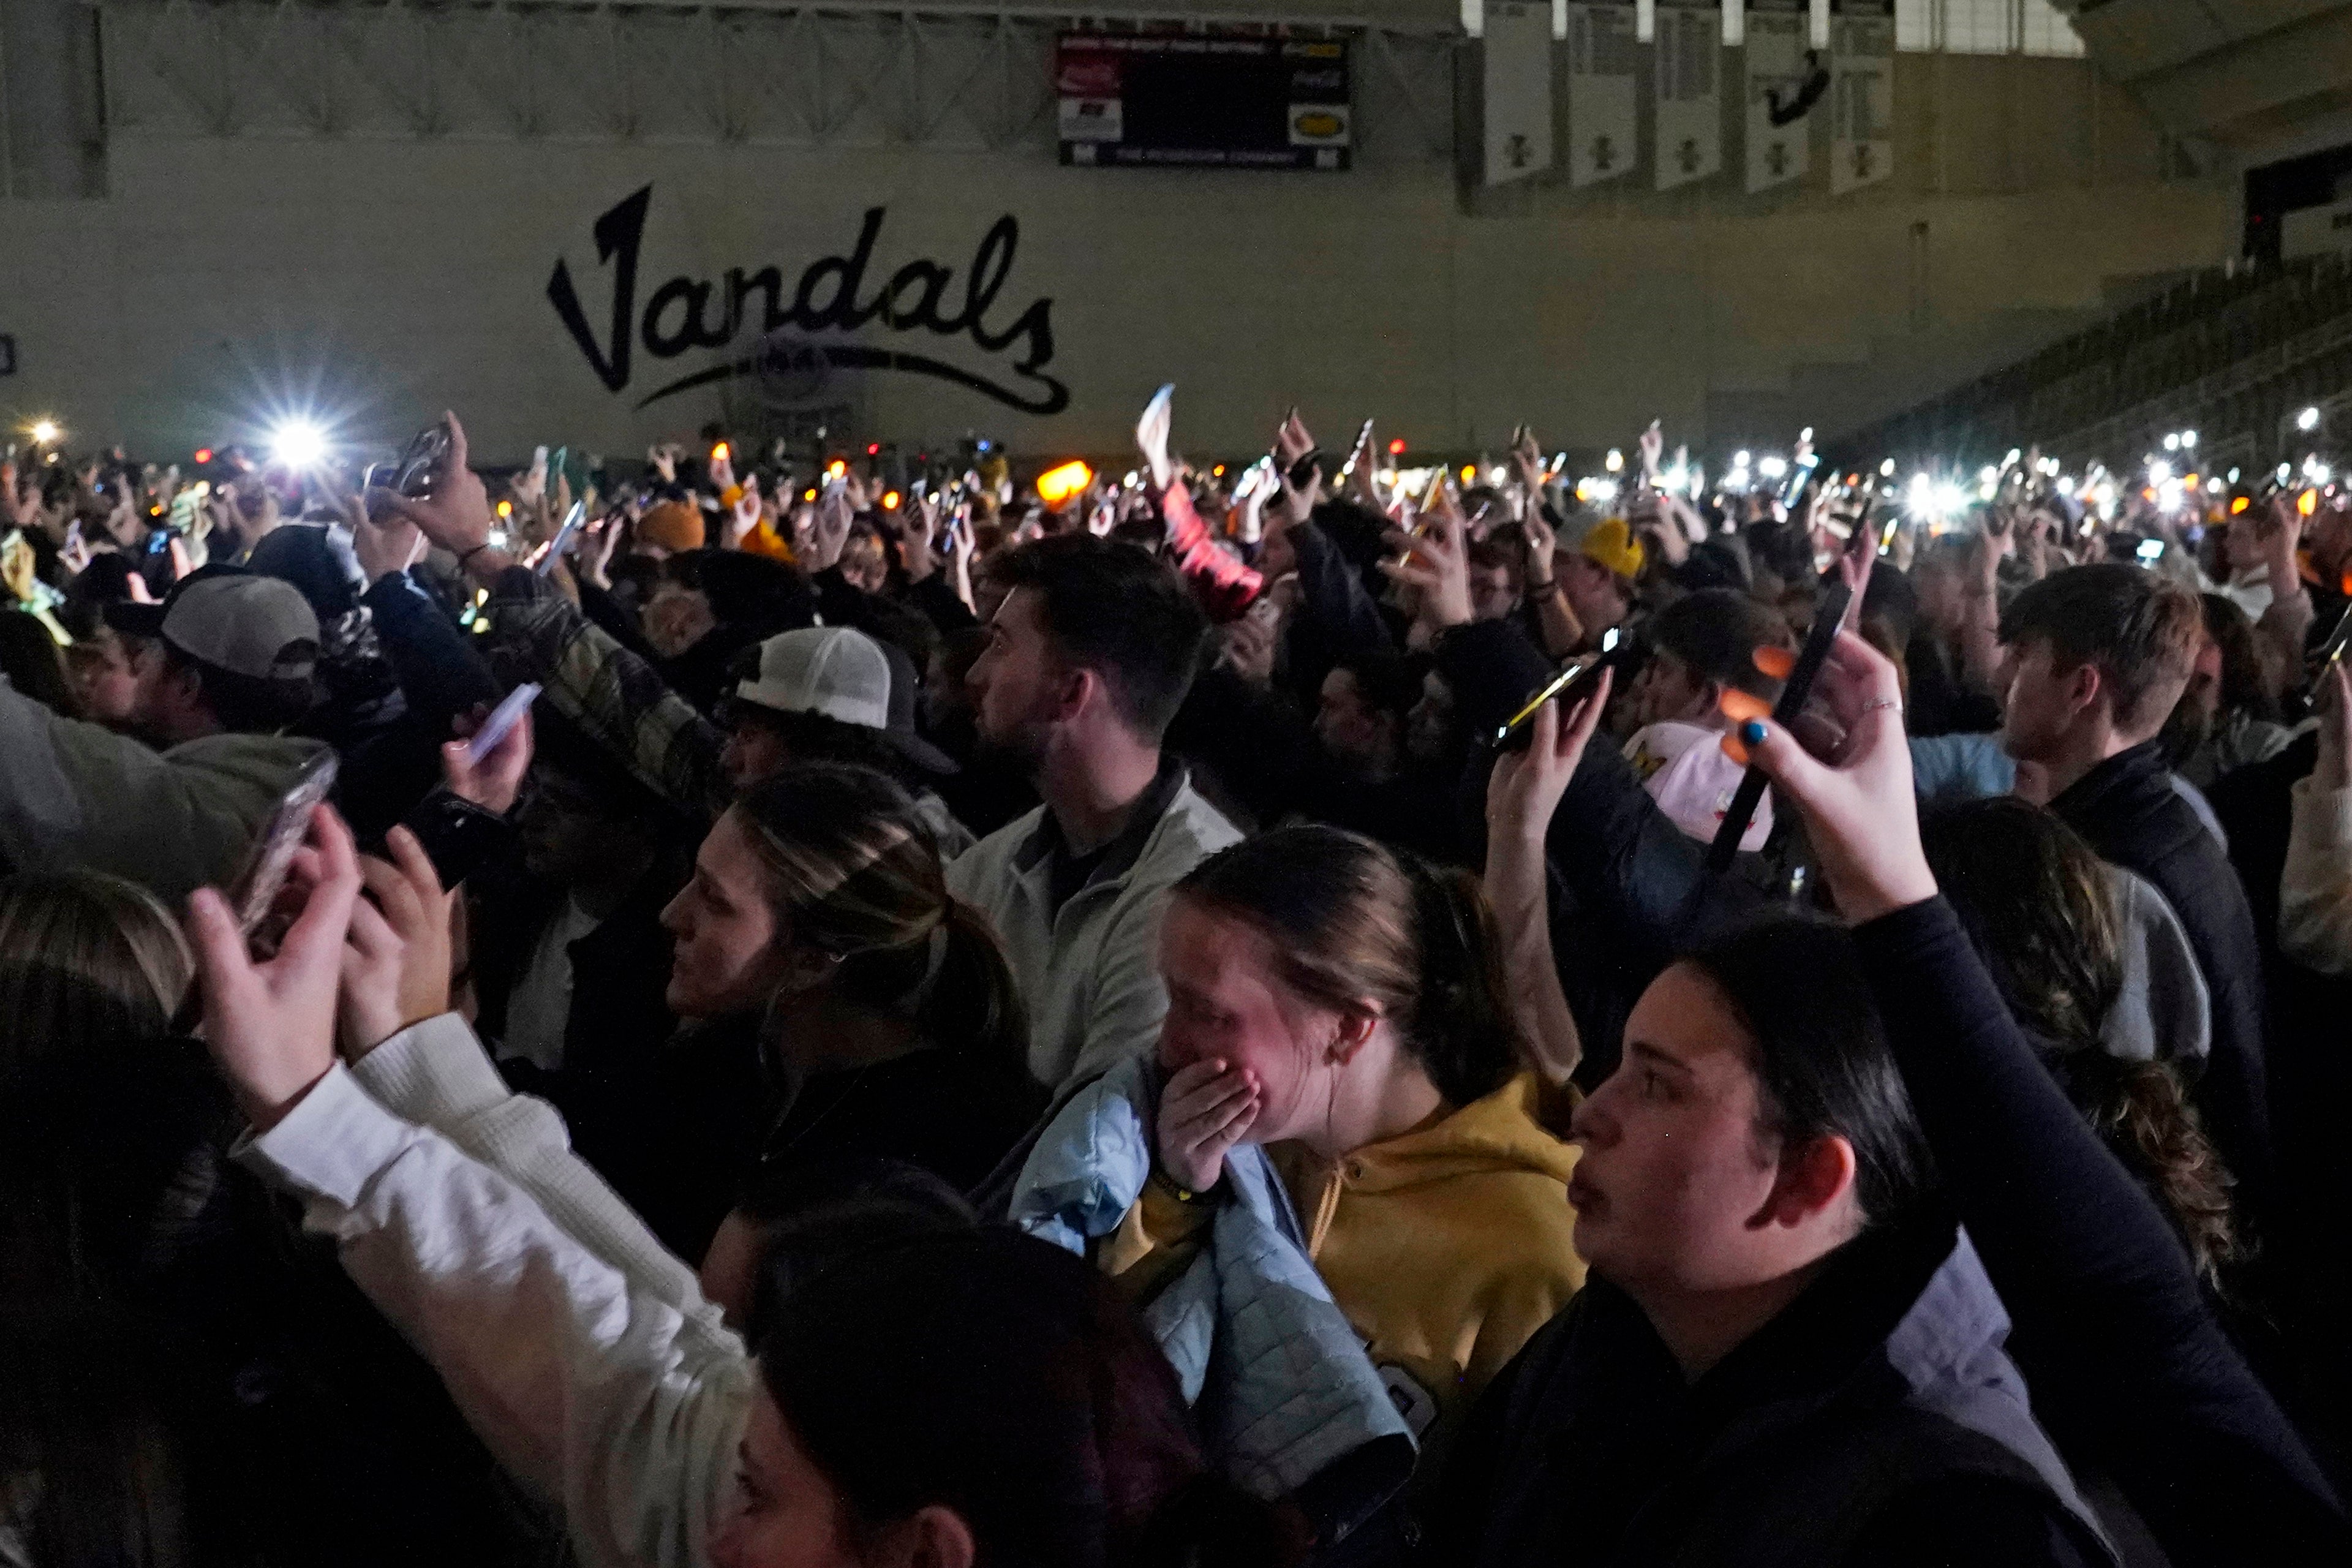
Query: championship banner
[[1862, 126], [1518, 57], [1603, 60], [1785, 80], [1687, 92]]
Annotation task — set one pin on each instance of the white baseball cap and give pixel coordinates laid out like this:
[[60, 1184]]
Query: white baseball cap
[[845, 675], [832, 671]]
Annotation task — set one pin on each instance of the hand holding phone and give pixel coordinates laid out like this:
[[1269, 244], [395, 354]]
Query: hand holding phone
[[1568, 686], [1828, 617], [501, 721], [271, 855]]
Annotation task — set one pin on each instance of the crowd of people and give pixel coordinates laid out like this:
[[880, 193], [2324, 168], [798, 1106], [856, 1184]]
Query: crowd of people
[[830, 1009]]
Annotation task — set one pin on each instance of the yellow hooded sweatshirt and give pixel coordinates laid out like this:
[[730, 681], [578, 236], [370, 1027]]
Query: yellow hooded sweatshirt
[[1447, 1245]]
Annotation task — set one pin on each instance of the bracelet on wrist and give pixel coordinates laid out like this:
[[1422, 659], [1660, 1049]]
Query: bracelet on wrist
[[1544, 588], [1182, 1193]]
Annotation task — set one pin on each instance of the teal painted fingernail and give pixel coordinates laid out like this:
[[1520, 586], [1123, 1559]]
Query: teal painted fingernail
[[1752, 732]]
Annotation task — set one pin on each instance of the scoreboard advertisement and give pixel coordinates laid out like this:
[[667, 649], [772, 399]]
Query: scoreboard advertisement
[[1201, 101]]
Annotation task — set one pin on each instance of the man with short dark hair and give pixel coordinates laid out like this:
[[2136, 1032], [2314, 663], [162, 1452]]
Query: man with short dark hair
[[2094, 657], [227, 664], [1088, 658]]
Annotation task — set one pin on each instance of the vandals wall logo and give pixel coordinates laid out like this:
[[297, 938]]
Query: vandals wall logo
[[687, 314]]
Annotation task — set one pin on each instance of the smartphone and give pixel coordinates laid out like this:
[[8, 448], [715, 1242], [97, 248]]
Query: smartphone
[[412, 473], [1304, 471], [1800, 474], [501, 721], [272, 855], [2151, 552], [1515, 732], [563, 539], [455, 835], [1751, 794]]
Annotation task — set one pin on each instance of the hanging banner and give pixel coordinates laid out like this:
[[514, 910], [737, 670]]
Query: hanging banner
[[1602, 61], [1517, 52], [1687, 92], [1862, 127], [1786, 78]]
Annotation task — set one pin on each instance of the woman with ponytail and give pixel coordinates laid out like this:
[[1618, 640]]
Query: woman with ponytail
[[880, 1018], [1343, 1005]]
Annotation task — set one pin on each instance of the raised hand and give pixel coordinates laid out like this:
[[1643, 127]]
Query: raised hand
[[1292, 440], [531, 483], [382, 548], [456, 516], [1528, 464], [493, 783], [829, 531], [395, 961], [1437, 564], [1526, 787], [270, 1026], [1205, 1111], [1653, 445], [1859, 814], [744, 516], [1151, 434]]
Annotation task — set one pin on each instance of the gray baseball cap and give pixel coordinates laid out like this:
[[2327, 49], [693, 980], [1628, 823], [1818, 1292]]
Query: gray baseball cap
[[242, 622]]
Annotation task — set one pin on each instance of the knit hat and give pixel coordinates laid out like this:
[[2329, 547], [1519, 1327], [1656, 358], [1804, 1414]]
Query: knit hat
[[1610, 544], [674, 526]]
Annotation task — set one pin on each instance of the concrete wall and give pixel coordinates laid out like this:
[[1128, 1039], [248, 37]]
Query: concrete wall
[[221, 280]]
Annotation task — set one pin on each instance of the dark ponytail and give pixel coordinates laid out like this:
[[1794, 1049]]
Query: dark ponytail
[[970, 997], [1351, 920], [1464, 1028]]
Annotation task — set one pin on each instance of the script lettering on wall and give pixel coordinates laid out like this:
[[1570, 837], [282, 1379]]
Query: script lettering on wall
[[686, 314]]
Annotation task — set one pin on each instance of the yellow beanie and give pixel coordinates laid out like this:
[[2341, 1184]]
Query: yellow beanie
[[674, 525], [1610, 544]]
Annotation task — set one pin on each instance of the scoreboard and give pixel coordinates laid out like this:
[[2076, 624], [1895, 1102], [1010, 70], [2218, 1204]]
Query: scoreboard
[[1192, 100]]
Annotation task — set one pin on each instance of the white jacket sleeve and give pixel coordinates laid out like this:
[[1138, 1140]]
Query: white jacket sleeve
[[589, 1388], [2315, 889], [436, 1075]]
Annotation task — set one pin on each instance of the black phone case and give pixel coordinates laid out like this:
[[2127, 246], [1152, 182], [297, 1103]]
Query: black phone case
[[458, 837]]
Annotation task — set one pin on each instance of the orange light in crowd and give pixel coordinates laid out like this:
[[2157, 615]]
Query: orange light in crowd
[[505, 509], [2307, 502], [1396, 447], [1057, 485], [2238, 504], [1469, 473], [203, 454], [1218, 472], [890, 500], [835, 469], [808, 495], [719, 453]]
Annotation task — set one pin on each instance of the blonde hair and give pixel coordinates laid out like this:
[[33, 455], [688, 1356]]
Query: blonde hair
[[86, 957]]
